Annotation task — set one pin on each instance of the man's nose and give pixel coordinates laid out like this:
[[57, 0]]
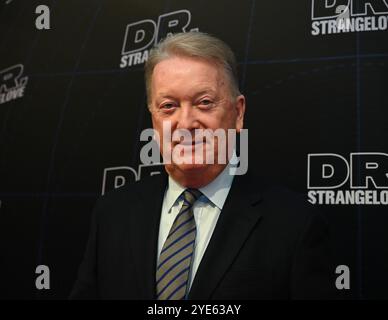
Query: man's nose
[[187, 118]]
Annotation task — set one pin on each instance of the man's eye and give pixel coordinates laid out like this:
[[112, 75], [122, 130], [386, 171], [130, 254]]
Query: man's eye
[[168, 106], [206, 102]]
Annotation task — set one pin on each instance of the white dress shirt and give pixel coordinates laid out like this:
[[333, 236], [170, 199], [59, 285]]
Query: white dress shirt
[[206, 212]]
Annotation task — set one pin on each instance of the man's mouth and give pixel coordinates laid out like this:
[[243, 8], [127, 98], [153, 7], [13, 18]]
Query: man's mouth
[[185, 143]]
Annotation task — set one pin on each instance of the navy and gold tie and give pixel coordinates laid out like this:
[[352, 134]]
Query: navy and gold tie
[[175, 258]]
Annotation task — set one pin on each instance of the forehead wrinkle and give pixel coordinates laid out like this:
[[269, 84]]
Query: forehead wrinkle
[[210, 81], [211, 91]]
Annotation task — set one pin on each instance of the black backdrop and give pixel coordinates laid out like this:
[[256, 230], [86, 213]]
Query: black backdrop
[[75, 129]]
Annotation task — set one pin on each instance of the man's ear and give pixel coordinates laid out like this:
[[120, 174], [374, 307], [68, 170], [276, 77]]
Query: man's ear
[[240, 108]]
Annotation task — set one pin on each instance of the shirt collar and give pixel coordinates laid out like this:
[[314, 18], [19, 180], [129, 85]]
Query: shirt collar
[[216, 191]]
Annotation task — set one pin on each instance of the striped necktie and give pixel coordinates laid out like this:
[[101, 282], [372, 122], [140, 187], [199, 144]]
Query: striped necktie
[[175, 258]]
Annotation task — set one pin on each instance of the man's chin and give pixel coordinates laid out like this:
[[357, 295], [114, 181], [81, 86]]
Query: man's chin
[[193, 175]]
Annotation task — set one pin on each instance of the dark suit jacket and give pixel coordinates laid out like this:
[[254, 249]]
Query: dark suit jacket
[[267, 244]]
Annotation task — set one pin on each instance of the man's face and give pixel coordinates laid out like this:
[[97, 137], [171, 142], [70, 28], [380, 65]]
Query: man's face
[[193, 94]]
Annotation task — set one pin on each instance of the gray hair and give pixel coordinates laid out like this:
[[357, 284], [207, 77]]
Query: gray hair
[[197, 45]]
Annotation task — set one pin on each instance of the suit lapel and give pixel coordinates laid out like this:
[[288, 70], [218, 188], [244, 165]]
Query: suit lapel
[[144, 230], [238, 217]]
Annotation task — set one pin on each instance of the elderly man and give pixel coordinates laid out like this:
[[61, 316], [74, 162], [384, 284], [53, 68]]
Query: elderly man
[[197, 231]]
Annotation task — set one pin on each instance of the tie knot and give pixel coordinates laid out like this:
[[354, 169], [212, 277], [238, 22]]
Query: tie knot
[[191, 195]]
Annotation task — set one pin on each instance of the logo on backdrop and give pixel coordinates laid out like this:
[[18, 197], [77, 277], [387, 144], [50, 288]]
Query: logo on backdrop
[[343, 16], [116, 177], [362, 179], [12, 83], [140, 36]]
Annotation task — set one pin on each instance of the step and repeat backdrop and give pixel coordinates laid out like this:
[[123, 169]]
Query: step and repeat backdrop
[[73, 105]]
